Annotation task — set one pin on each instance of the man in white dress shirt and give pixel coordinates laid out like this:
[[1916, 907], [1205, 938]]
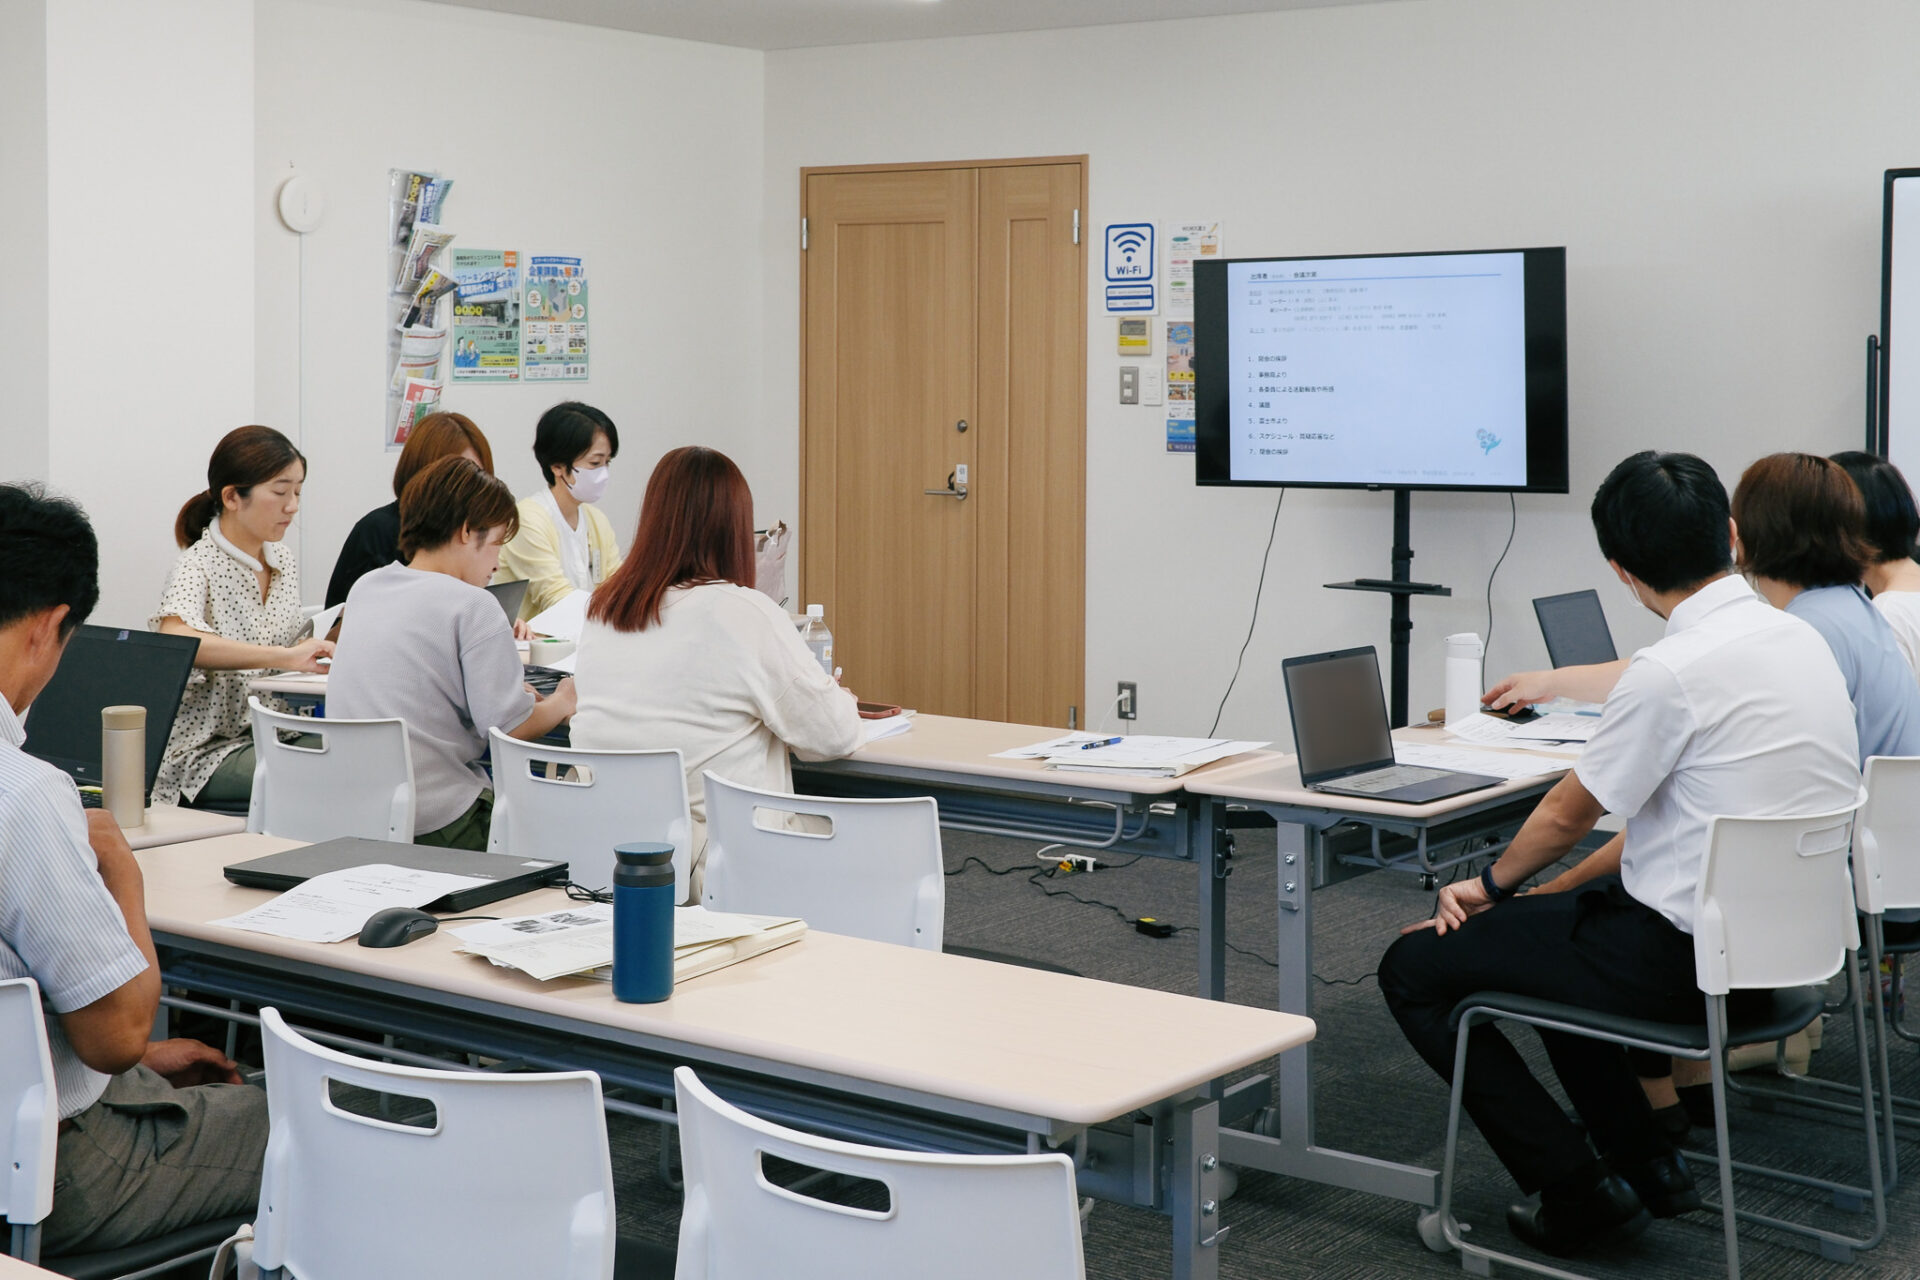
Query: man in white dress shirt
[[1738, 709], [153, 1136]]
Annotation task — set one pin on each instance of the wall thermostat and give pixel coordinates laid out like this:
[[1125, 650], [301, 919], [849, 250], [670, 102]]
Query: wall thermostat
[[302, 205]]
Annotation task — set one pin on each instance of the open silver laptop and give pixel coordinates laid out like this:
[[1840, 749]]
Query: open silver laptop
[[1341, 736]]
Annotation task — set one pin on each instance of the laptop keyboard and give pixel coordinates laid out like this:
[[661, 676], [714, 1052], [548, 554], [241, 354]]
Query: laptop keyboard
[[545, 680], [1401, 775]]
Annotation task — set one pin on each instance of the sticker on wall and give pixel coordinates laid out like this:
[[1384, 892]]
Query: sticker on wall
[[1130, 264], [486, 315], [554, 343]]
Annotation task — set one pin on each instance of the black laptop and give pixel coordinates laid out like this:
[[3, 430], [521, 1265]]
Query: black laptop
[[505, 874], [108, 667], [1575, 629], [1342, 739], [511, 596]]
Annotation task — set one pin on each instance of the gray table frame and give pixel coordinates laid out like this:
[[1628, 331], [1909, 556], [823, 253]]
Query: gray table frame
[[1163, 1157]]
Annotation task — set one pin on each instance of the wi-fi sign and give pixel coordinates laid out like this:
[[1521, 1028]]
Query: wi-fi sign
[[1130, 251]]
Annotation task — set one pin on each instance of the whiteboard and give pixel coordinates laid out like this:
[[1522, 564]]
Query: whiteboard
[[1900, 323]]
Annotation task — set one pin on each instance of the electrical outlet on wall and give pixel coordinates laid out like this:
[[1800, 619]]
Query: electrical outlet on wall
[[1129, 703]]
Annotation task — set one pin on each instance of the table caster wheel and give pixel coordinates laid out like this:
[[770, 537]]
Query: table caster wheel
[[1432, 1234], [1428, 881]]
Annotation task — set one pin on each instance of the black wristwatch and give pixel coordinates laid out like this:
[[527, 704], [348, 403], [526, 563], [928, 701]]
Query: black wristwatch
[[1494, 892]]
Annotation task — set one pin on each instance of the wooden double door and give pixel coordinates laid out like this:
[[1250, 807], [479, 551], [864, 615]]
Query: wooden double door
[[943, 433]]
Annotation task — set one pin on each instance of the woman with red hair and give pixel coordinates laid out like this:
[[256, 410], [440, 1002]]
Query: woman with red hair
[[680, 651]]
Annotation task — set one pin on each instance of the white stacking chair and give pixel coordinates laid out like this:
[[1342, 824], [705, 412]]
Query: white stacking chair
[[947, 1217], [1773, 912], [577, 812], [29, 1140], [511, 1178], [1886, 877], [874, 872], [29, 1117], [339, 778]]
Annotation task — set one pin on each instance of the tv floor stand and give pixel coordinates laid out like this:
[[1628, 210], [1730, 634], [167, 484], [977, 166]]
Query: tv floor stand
[[1402, 588]]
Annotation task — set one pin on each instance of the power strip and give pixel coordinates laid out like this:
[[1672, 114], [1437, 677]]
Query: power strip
[[1070, 861]]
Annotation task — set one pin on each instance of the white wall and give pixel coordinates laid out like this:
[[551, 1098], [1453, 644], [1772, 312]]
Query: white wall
[[23, 227], [149, 144], [646, 160], [1713, 167]]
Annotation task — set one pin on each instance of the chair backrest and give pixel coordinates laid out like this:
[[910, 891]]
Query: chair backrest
[[1886, 840], [1774, 906], [510, 1178], [867, 868], [575, 806], [29, 1106], [317, 779], [945, 1217]]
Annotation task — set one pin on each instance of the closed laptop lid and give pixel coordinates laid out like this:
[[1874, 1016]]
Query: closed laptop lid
[[510, 595], [109, 667], [1339, 714], [1575, 629], [506, 874]]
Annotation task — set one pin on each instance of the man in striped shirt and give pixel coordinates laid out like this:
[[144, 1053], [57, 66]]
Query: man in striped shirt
[[153, 1136]]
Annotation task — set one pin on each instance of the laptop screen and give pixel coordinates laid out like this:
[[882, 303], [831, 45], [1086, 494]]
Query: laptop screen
[[108, 667], [510, 595], [1575, 629], [1339, 714]]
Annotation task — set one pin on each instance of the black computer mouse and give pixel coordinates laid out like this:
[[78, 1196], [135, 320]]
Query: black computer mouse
[[395, 927]]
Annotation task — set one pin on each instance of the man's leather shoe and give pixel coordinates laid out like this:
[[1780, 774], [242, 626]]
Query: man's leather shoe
[[1664, 1185], [1608, 1214]]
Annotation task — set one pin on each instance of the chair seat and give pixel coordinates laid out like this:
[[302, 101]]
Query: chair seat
[[202, 1236], [1763, 1016]]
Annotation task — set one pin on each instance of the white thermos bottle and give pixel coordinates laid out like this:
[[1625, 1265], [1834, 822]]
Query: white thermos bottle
[[1464, 654], [123, 764]]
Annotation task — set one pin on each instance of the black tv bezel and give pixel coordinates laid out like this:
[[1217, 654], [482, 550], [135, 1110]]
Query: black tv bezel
[[1882, 426], [1544, 272]]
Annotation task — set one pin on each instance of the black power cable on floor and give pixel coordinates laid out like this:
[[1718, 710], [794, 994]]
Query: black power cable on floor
[[1258, 590]]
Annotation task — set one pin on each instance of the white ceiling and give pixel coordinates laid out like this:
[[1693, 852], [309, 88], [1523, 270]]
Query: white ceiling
[[799, 24]]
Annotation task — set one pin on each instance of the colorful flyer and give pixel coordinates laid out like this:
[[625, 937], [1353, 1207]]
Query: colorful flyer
[[1180, 405], [486, 315], [554, 342], [416, 402]]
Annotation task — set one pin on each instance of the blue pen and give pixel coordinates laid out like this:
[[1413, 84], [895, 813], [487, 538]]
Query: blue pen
[[1104, 742]]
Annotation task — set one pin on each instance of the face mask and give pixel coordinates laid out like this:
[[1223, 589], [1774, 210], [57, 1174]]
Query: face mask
[[1634, 591], [588, 486]]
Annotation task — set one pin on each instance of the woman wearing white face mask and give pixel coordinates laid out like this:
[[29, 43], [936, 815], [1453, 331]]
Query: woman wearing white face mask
[[565, 543]]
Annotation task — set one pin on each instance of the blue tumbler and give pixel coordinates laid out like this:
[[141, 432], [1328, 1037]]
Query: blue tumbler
[[642, 923]]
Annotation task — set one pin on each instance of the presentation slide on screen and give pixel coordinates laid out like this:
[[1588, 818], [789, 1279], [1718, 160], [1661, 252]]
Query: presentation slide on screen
[[1388, 371]]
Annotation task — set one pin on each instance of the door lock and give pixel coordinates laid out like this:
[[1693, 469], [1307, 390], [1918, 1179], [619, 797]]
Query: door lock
[[956, 484]]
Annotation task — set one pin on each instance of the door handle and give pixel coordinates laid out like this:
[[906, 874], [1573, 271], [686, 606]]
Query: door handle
[[956, 485]]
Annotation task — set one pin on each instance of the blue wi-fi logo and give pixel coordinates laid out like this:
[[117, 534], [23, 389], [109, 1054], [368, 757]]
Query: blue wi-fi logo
[[1130, 242]]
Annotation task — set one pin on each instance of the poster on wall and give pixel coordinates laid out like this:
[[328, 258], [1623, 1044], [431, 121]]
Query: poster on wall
[[554, 342], [486, 315], [1180, 404], [1187, 243]]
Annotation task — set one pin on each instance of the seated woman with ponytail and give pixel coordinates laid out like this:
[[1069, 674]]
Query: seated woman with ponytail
[[236, 589]]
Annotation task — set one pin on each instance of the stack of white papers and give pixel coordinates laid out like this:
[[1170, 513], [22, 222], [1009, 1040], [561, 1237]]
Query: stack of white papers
[[565, 620], [1493, 764], [579, 940], [1492, 731], [1040, 750], [1147, 755], [334, 906], [885, 727]]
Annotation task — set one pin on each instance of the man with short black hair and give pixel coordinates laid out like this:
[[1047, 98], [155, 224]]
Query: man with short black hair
[[147, 1144], [1739, 709]]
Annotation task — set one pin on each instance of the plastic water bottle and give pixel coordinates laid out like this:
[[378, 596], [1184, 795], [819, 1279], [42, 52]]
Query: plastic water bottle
[[642, 923], [818, 638], [1464, 654], [123, 764]]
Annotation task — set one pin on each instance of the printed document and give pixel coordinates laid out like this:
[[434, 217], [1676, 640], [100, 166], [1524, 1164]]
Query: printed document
[[1492, 764], [565, 620], [333, 907]]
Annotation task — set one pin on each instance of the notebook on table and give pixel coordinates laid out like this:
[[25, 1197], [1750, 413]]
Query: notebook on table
[[499, 875], [1342, 738]]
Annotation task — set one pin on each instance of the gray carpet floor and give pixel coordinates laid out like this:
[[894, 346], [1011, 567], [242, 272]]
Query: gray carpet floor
[[1374, 1096]]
